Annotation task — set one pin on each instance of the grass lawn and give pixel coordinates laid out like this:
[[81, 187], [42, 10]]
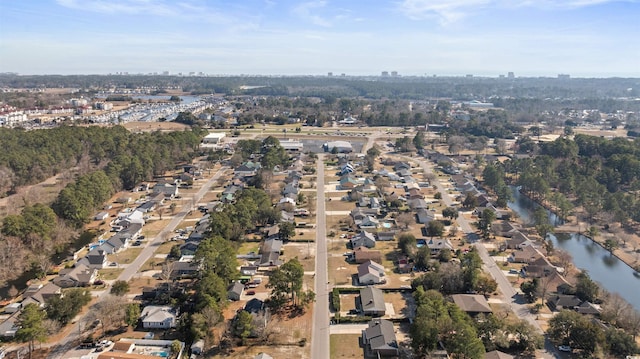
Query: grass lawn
[[109, 273], [341, 271], [345, 346], [247, 247], [165, 247], [125, 257]]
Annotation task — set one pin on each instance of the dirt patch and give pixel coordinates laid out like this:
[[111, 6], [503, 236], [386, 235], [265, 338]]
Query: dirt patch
[[154, 126]]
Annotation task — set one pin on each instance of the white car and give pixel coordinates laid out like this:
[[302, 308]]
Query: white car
[[564, 348]]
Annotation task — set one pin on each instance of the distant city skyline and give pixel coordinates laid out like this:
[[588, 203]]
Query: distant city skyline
[[583, 38]]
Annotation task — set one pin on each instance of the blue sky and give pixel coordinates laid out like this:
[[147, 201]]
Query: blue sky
[[585, 38]]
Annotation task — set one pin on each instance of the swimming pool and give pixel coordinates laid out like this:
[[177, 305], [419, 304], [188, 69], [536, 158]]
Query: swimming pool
[[160, 354], [386, 225]]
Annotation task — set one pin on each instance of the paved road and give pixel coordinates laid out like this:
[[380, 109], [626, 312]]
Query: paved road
[[130, 270], [320, 331], [512, 299]]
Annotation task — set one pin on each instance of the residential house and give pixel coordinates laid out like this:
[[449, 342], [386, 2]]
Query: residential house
[[254, 306], [169, 190], [147, 206], [291, 188], [405, 264], [496, 354], [414, 193], [540, 267], [40, 296], [563, 301], [386, 236], [379, 339], [517, 240], [184, 269], [248, 270], [347, 182], [288, 216], [473, 304], [424, 216], [158, 317], [438, 244], [247, 169], [95, 259], [401, 166], [235, 291], [371, 302], [588, 308], [346, 169], [101, 216], [9, 327], [369, 222], [78, 276], [363, 238], [189, 248], [370, 273], [362, 254], [416, 204], [527, 254]]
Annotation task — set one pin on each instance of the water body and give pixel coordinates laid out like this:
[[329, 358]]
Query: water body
[[185, 99], [610, 272]]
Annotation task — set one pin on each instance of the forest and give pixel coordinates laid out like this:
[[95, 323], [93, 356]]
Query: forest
[[107, 159]]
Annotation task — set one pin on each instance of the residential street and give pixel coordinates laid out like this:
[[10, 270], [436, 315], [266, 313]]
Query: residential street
[[511, 297], [320, 331], [68, 342]]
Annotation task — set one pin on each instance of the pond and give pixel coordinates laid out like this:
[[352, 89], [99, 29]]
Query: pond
[[610, 272]]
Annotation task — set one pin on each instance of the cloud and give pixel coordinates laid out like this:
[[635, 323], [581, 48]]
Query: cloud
[[162, 8], [308, 11], [449, 11]]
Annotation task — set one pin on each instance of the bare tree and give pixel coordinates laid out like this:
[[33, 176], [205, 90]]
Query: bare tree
[[615, 308], [167, 272], [42, 261], [160, 211], [564, 258], [405, 219], [110, 311]]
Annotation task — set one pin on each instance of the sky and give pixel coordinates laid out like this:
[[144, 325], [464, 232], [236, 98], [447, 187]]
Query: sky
[[583, 38]]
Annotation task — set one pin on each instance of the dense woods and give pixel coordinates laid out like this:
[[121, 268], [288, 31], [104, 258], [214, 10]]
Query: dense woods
[[109, 159]]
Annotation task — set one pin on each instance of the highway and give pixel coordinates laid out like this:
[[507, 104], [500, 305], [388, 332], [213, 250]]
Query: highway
[[130, 270], [511, 297], [320, 328]]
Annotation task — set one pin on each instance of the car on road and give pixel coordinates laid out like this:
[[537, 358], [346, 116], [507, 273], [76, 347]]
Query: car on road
[[564, 348]]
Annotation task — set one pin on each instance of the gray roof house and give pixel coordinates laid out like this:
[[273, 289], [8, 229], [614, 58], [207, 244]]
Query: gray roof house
[[235, 291], [169, 190], [424, 216], [158, 317], [436, 245], [371, 302], [379, 339], [363, 239], [95, 259]]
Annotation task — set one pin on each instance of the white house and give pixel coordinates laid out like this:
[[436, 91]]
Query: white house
[[370, 272], [158, 317]]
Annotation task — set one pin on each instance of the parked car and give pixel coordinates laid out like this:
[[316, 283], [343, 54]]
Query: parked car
[[564, 348], [250, 292]]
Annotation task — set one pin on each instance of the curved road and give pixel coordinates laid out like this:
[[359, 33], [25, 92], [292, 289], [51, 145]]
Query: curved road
[[320, 331], [68, 342], [511, 297]]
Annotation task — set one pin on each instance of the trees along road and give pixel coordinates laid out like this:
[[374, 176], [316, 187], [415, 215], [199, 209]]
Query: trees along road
[[509, 293], [320, 328], [131, 269]]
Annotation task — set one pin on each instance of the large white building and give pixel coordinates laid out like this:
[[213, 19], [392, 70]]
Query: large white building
[[291, 145], [212, 140], [11, 119], [340, 146]]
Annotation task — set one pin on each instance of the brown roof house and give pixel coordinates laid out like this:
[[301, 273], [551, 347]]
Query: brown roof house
[[78, 276], [40, 296], [473, 304], [362, 254], [379, 339]]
